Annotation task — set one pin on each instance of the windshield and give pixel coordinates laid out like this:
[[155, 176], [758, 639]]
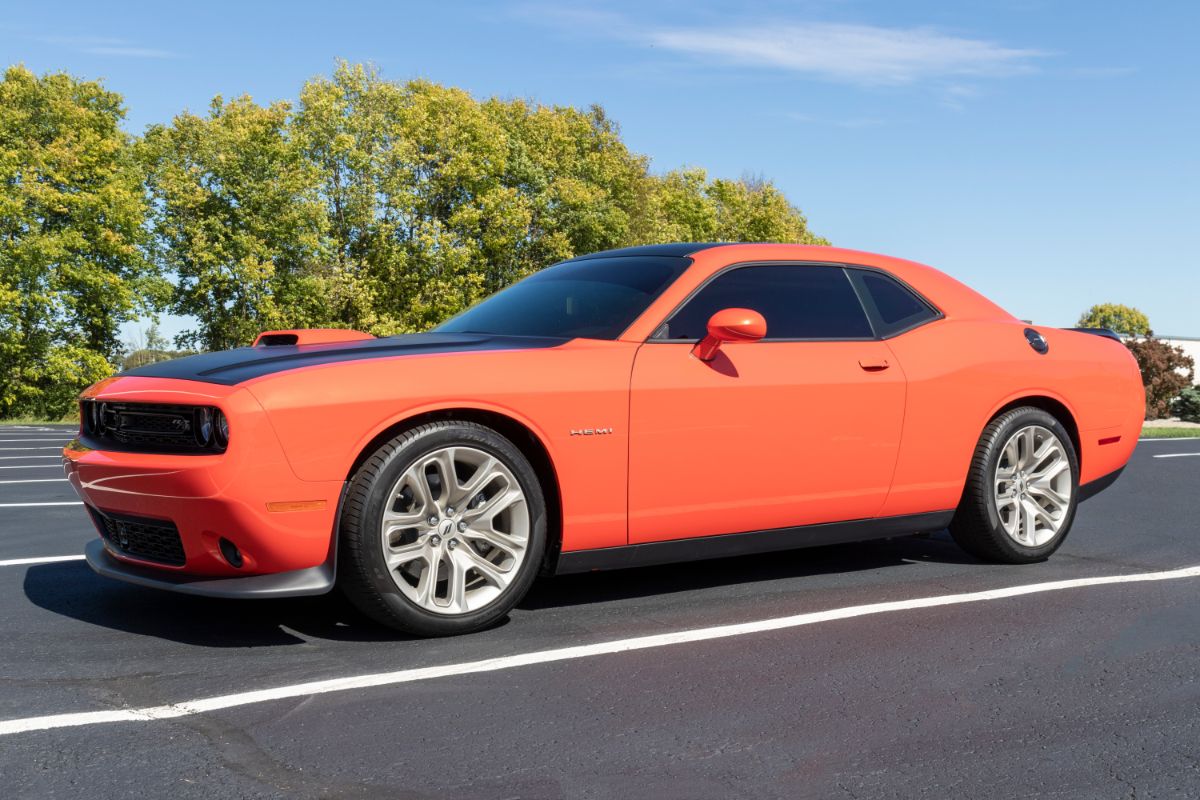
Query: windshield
[[593, 298]]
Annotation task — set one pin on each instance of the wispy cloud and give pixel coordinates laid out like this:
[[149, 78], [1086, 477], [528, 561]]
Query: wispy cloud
[[841, 52], [862, 54], [106, 46]]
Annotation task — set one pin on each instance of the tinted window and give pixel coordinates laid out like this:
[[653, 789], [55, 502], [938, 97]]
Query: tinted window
[[595, 298], [798, 302], [896, 307]]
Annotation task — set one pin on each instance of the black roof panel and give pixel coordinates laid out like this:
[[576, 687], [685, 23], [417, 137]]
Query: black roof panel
[[676, 249]]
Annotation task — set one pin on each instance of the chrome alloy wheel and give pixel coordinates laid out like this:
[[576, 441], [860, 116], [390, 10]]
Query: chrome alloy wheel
[[1033, 486], [455, 530]]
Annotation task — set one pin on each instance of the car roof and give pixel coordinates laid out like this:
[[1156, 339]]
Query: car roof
[[672, 249]]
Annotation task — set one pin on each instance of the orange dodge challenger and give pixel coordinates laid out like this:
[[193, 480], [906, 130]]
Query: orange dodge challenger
[[630, 407]]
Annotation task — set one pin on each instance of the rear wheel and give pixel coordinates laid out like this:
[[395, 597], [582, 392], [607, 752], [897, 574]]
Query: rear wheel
[[1022, 489], [442, 530]]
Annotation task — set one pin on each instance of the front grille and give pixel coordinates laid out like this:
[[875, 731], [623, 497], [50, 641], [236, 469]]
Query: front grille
[[139, 537], [147, 427]]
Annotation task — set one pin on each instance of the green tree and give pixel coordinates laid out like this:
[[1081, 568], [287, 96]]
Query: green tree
[[390, 206], [1166, 371], [1114, 316], [239, 222], [72, 230]]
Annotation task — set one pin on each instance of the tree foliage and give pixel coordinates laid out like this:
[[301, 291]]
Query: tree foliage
[[72, 265], [238, 222], [1187, 405], [1166, 371], [1116, 317], [389, 207], [379, 205]]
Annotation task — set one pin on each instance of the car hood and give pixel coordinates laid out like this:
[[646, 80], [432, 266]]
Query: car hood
[[231, 367]]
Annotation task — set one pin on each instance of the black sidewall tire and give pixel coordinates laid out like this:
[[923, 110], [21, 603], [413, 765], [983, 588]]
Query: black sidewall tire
[[365, 579], [977, 526]]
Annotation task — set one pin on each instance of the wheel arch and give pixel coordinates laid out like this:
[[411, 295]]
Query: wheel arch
[[1053, 406], [523, 437]]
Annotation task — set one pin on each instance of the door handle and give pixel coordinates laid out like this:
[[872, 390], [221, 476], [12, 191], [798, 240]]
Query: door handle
[[877, 364]]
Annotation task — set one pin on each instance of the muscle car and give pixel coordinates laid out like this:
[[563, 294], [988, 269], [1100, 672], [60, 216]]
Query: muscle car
[[629, 407]]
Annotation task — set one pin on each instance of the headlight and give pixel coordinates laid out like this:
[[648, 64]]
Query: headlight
[[222, 428], [204, 426]]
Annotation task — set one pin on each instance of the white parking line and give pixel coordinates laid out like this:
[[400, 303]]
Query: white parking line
[[37, 480], [192, 707], [32, 505], [14, 449], [17, 562], [14, 441], [26, 458], [1169, 439], [31, 466], [1177, 455]]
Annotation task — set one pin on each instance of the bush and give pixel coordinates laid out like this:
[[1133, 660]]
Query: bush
[[1166, 371], [1187, 405]]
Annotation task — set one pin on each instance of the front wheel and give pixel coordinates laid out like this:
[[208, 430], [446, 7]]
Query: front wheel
[[442, 530], [1021, 491]]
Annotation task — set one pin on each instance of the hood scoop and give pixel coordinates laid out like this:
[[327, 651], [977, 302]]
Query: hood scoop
[[309, 336]]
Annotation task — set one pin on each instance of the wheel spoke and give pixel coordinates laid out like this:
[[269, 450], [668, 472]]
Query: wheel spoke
[[1048, 493], [482, 476], [495, 504], [415, 480], [443, 460], [456, 582], [406, 554], [495, 538], [490, 572], [1028, 442], [427, 583]]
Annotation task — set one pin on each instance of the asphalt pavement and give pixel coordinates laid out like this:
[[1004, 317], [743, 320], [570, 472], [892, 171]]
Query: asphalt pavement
[[895, 671]]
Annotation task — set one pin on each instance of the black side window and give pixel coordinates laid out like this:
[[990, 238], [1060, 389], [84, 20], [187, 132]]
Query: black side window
[[894, 307], [798, 302]]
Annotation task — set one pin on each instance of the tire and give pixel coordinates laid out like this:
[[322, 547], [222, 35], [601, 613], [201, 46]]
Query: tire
[[452, 569], [1011, 511]]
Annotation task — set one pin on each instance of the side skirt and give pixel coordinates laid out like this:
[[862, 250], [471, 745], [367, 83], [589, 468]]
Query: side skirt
[[736, 544]]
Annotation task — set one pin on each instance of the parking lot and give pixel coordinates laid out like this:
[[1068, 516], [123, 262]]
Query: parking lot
[[887, 669]]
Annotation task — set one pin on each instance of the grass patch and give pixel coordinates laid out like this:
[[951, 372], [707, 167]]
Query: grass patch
[[1170, 433], [33, 421]]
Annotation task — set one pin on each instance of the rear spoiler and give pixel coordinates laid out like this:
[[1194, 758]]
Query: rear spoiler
[[1107, 333]]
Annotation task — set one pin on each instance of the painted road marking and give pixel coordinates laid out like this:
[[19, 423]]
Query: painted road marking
[[26, 458], [37, 480], [1177, 455], [1169, 439], [17, 562], [14, 441], [32, 505], [13, 449], [200, 706], [31, 466]]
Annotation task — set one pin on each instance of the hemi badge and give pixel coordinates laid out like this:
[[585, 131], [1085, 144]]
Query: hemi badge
[[296, 505], [1110, 440]]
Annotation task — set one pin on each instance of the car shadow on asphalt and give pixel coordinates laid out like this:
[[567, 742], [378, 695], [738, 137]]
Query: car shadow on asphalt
[[607, 586], [72, 590]]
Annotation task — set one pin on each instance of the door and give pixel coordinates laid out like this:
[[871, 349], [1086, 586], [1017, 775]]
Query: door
[[799, 428]]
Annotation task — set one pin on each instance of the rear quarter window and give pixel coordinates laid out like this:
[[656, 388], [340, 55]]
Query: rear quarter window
[[892, 306]]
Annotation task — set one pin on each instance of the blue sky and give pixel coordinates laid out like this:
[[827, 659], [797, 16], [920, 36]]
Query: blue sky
[[1043, 152]]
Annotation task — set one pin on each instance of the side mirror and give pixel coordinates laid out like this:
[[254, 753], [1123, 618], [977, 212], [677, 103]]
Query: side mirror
[[730, 325]]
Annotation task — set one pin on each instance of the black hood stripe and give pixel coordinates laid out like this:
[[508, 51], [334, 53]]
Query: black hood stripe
[[231, 367]]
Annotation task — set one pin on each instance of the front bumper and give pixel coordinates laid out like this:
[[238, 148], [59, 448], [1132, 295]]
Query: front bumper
[[282, 526], [297, 583]]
